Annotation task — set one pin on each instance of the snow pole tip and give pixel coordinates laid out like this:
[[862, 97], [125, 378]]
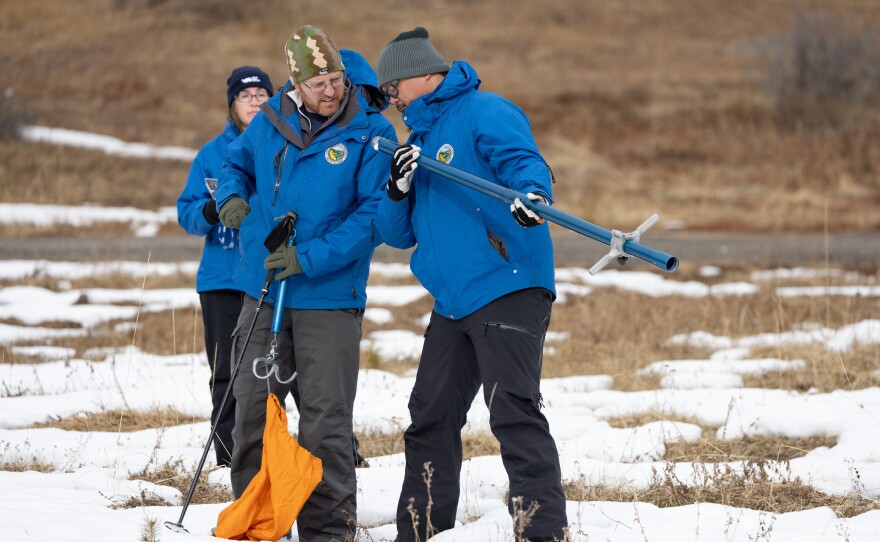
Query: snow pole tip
[[176, 527]]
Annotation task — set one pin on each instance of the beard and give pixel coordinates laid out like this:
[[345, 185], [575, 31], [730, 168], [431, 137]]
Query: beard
[[322, 105]]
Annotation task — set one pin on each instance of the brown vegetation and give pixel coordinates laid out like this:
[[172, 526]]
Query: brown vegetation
[[698, 111], [125, 421], [758, 486]]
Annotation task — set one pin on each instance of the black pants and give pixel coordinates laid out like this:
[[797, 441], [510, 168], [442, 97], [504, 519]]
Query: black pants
[[500, 347], [220, 310]]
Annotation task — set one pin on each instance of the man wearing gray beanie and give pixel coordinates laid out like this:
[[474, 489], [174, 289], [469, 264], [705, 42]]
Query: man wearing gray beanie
[[492, 278]]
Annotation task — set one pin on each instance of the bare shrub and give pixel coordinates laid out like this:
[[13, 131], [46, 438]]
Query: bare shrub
[[823, 70], [11, 116]]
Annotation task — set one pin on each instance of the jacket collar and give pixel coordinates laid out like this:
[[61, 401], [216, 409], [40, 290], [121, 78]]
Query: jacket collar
[[282, 110], [421, 114], [231, 131]]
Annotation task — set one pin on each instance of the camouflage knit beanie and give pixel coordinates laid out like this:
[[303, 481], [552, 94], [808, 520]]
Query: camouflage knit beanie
[[310, 51], [409, 55]]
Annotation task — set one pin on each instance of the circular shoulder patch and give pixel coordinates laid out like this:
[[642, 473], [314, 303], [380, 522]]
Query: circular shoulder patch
[[445, 153], [336, 154]]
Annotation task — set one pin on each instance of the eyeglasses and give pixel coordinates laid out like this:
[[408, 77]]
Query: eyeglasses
[[320, 88], [245, 97], [391, 89]]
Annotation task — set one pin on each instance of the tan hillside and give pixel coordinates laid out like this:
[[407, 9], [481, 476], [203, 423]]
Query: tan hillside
[[696, 110]]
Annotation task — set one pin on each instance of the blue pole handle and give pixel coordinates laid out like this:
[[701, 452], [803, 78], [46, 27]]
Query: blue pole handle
[[653, 256], [278, 315]]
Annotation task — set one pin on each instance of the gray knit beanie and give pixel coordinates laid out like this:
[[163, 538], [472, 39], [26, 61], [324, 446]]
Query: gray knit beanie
[[409, 55]]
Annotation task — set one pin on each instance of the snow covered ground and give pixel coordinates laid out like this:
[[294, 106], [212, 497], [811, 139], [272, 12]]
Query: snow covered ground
[[93, 469]]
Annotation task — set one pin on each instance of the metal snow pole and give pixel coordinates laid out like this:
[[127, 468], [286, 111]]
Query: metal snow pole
[[623, 245], [281, 233]]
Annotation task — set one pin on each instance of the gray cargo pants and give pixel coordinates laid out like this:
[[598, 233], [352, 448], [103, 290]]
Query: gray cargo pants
[[323, 347]]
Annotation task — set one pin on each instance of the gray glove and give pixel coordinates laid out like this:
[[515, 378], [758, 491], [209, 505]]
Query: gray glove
[[285, 258], [526, 217], [234, 211]]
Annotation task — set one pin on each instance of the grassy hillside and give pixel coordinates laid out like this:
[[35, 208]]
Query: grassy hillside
[[751, 115]]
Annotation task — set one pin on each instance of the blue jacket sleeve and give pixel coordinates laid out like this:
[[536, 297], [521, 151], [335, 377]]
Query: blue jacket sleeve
[[504, 139], [356, 235], [237, 176], [394, 222], [194, 197]]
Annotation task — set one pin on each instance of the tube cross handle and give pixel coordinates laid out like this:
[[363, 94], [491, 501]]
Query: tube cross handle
[[626, 245], [618, 238]]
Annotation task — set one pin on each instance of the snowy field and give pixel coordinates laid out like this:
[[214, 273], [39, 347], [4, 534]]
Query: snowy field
[[92, 469], [91, 472]]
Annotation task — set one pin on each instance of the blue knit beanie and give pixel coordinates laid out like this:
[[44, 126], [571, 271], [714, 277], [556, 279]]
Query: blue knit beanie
[[246, 77]]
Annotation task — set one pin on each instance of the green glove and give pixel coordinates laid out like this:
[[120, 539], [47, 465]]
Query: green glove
[[234, 211], [285, 258]]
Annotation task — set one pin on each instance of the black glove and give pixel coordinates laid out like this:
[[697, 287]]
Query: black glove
[[526, 217], [209, 211], [403, 164], [233, 212], [285, 258]]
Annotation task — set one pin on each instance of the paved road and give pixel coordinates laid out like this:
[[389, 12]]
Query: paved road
[[860, 251]]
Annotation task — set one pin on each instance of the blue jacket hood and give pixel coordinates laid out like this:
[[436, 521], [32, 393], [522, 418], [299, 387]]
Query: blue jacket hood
[[422, 113], [359, 72]]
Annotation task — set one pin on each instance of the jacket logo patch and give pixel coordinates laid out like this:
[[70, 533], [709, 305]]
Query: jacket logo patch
[[445, 153], [336, 154]]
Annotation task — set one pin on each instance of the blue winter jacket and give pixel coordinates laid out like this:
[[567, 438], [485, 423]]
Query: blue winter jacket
[[470, 249], [333, 182], [220, 255]]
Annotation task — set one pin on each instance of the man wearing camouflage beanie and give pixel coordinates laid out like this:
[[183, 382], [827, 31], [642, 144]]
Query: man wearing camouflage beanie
[[307, 152], [492, 278]]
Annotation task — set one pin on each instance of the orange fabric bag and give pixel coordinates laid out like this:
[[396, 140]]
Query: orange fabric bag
[[273, 499]]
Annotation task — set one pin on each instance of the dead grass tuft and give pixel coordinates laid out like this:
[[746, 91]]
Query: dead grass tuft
[[825, 371], [757, 487], [122, 420], [711, 449], [24, 466], [377, 444], [173, 474]]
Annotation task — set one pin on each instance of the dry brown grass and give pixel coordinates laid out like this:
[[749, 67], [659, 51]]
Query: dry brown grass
[[32, 464], [658, 106], [711, 449], [117, 281], [617, 333], [125, 421], [55, 175], [173, 474], [378, 443], [751, 488]]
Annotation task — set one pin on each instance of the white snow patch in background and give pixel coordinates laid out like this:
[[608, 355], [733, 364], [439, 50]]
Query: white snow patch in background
[[20, 269], [143, 223], [710, 271], [844, 339], [394, 345], [651, 284], [394, 296], [803, 273], [378, 316], [817, 291], [108, 144]]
